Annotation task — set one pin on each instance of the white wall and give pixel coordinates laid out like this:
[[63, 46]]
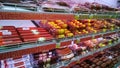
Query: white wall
[[17, 23]]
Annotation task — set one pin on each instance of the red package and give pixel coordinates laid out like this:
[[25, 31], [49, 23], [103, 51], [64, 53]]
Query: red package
[[0, 33], [8, 27], [19, 64], [26, 34], [24, 30], [11, 42], [36, 28], [10, 36], [30, 39]]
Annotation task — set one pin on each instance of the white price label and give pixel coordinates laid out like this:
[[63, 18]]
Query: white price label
[[3, 30], [41, 39], [18, 60], [2, 64], [26, 28], [35, 32], [6, 32]]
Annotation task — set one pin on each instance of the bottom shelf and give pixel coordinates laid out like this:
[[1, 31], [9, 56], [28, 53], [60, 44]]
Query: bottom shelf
[[103, 56], [78, 58], [69, 56]]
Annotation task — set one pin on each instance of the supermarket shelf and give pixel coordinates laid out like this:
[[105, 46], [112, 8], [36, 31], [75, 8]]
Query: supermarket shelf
[[77, 58], [92, 35], [104, 15], [38, 9], [14, 5], [26, 45], [19, 4], [28, 48], [85, 37], [18, 15]]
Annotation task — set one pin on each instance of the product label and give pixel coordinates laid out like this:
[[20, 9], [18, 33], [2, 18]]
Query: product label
[[6, 32], [41, 39], [26, 28], [2, 64], [3, 30], [35, 32], [18, 60]]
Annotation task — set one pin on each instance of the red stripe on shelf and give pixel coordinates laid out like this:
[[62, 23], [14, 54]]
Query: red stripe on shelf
[[19, 64], [31, 16], [85, 39], [66, 43], [26, 51]]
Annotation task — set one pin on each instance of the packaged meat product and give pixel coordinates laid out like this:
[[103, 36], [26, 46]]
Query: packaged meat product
[[65, 53], [34, 34]]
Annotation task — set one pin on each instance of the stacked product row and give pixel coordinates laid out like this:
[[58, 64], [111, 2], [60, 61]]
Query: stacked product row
[[45, 59], [49, 30], [9, 35], [34, 34], [105, 59], [12, 35], [69, 28], [58, 28]]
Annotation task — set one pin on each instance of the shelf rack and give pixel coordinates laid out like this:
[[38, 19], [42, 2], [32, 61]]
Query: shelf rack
[[29, 48], [18, 15]]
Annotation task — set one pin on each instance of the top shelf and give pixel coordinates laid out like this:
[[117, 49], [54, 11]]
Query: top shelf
[[18, 15]]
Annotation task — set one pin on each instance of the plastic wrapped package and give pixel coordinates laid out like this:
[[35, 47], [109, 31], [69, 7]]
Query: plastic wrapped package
[[20, 62], [45, 59], [65, 53], [34, 34], [9, 35]]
